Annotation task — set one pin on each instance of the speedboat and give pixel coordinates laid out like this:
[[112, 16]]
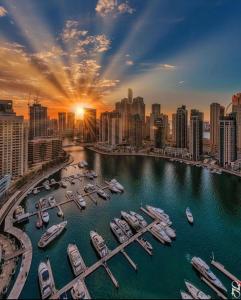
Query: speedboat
[[124, 227], [113, 188], [120, 235], [81, 201], [195, 292], [45, 217], [89, 188], [159, 214], [53, 181], [52, 201], [206, 272], [99, 244], [102, 194], [78, 291], [117, 184], [148, 245], [51, 234], [76, 260], [131, 220], [189, 215], [161, 233], [185, 296], [141, 220], [44, 281]]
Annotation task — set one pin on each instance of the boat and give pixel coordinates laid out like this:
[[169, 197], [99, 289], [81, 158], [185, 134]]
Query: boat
[[81, 165], [195, 292], [142, 221], [78, 291], [131, 220], [60, 212], [93, 173], [160, 214], [35, 191], [73, 181], [120, 235], [19, 211], [81, 201], [185, 296], [53, 181], [89, 175], [169, 231], [76, 261], [189, 216], [206, 272], [51, 234], [46, 186], [89, 188], [124, 227], [43, 203], [63, 184], [45, 217], [117, 184], [148, 245], [44, 280], [160, 232], [99, 244], [70, 195], [85, 163], [52, 201], [113, 188], [102, 194]]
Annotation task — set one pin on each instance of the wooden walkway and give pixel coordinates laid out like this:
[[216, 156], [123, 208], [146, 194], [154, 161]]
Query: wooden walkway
[[222, 269]]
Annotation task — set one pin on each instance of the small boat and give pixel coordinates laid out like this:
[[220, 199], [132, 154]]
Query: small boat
[[76, 260], [89, 188], [45, 217], [120, 235], [46, 186], [113, 188], [81, 201], [44, 280], [99, 244], [189, 216], [148, 245], [35, 191], [93, 173], [81, 165], [117, 184], [53, 181], [78, 291], [63, 184], [43, 203], [51, 234], [60, 213], [52, 201], [89, 175], [185, 296], [103, 194], [195, 292], [124, 227], [161, 233], [141, 220]]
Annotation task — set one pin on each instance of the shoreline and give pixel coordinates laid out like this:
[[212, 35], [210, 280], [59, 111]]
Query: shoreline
[[190, 162]]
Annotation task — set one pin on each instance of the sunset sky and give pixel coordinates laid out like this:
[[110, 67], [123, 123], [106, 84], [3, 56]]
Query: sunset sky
[[88, 53]]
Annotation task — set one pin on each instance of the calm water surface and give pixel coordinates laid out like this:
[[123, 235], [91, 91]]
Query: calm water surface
[[216, 204]]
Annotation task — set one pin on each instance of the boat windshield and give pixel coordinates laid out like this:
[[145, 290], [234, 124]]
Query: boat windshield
[[45, 275]]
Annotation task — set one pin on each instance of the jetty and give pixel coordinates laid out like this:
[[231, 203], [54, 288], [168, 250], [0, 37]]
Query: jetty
[[221, 295], [222, 269]]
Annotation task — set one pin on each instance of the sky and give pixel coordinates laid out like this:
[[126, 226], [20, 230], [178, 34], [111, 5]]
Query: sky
[[77, 53]]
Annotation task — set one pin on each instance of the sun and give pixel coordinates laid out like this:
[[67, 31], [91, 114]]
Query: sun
[[79, 111]]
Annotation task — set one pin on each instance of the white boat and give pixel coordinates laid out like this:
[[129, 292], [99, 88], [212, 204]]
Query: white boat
[[53, 181], [85, 163], [113, 188], [51, 234], [131, 220], [103, 194], [185, 296], [120, 235], [45, 283], [148, 245], [99, 244], [78, 291], [117, 184], [81, 201], [63, 184], [141, 220], [206, 272], [195, 292], [76, 261], [35, 191], [89, 175], [81, 165], [93, 173], [161, 233], [124, 227], [169, 231], [52, 201], [45, 217], [70, 195], [159, 214], [189, 215], [89, 188]]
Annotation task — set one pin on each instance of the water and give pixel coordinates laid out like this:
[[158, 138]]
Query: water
[[214, 200]]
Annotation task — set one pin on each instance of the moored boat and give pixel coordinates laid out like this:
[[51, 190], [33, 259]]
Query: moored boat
[[131, 220], [117, 184], [99, 244], [102, 194], [161, 233], [195, 292], [185, 296], [76, 260], [45, 217], [81, 201], [52, 201], [45, 283], [124, 227], [51, 234], [159, 214], [140, 219], [120, 235], [78, 291]]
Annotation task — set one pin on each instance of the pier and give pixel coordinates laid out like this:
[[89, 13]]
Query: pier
[[129, 260], [51, 276], [222, 269], [221, 295]]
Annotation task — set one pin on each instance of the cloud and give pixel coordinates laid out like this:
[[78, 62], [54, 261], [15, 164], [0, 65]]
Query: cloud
[[71, 31], [3, 11], [129, 63], [113, 8], [167, 67]]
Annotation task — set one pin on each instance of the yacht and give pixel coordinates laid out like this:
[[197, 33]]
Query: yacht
[[133, 221], [205, 271], [169, 231], [160, 214], [52, 201], [76, 260], [78, 291], [189, 215], [141, 220], [195, 292], [161, 233], [99, 244], [70, 195], [185, 296], [63, 184], [81, 201], [51, 234], [117, 184], [44, 281], [113, 188], [93, 173], [102, 194], [122, 238], [45, 217], [148, 245], [89, 188], [35, 191], [124, 227], [53, 181]]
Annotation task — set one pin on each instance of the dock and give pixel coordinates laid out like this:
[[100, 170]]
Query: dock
[[112, 277], [129, 260], [156, 236], [221, 295], [222, 269]]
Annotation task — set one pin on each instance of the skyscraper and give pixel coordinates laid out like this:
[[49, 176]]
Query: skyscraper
[[89, 125], [136, 131], [70, 122], [181, 127], [139, 108], [130, 95], [13, 141], [236, 103], [38, 118], [196, 134], [160, 132], [62, 122], [155, 113], [124, 108], [216, 112], [156, 109], [174, 129], [228, 140], [114, 128], [104, 123]]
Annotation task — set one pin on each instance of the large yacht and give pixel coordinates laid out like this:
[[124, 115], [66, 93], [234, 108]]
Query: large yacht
[[102, 194], [44, 281], [122, 238], [205, 271], [78, 291], [141, 220], [131, 220], [75, 259], [51, 234], [161, 233], [195, 292], [160, 214], [169, 231], [117, 184], [124, 227], [99, 244]]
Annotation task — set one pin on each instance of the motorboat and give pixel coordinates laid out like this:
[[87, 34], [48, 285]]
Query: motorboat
[[141, 220], [113, 188], [78, 291], [89, 188], [189, 215], [124, 227], [120, 235], [45, 217], [63, 184], [161, 233], [35, 191], [99, 244], [45, 283], [52, 201], [103, 194], [148, 245], [70, 195], [76, 261], [169, 231], [81, 201], [159, 214], [195, 292], [185, 296], [117, 184], [51, 234], [131, 220]]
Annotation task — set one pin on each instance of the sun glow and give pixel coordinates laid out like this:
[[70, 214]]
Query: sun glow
[[79, 111]]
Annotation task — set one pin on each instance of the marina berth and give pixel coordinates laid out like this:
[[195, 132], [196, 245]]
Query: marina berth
[[76, 261], [45, 283], [124, 227], [51, 234], [120, 235], [99, 244]]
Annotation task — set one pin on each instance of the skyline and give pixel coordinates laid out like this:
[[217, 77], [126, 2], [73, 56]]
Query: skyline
[[70, 53]]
